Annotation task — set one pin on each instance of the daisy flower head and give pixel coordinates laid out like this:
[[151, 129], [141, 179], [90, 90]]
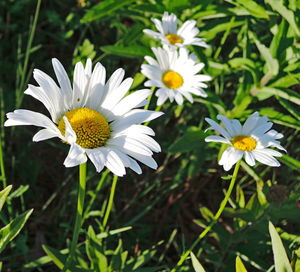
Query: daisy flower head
[[253, 140], [169, 34], [174, 73], [93, 117]]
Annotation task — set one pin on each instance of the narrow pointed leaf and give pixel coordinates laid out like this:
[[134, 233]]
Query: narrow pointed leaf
[[196, 264], [10, 231], [3, 195], [281, 260], [239, 266], [57, 258]]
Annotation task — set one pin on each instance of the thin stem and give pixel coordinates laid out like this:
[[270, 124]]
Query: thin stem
[[110, 201], [27, 53], [97, 190], [150, 98], [215, 218], [2, 168], [79, 215]]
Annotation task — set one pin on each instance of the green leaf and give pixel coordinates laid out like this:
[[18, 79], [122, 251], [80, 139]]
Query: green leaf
[[286, 94], [58, 258], [280, 118], [253, 8], [10, 231], [291, 162], [196, 264], [209, 34], [272, 63], [290, 107], [95, 252], [239, 266], [281, 260], [20, 191], [280, 41], [191, 140], [133, 51], [286, 81], [104, 8], [285, 13], [137, 80], [3, 195]]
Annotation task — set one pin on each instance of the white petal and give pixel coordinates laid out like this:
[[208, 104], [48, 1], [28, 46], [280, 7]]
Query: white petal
[[97, 158], [265, 158], [27, 117], [179, 98], [51, 89], [230, 157], [128, 162], [63, 80], [149, 161], [162, 97], [131, 144], [114, 163], [134, 117], [218, 128], [131, 101], [75, 156], [250, 123], [45, 134], [146, 140], [88, 67], [115, 80], [79, 85], [70, 135], [116, 95], [217, 139], [96, 87], [249, 158], [228, 124]]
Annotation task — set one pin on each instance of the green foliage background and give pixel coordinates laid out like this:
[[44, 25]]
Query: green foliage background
[[254, 61]]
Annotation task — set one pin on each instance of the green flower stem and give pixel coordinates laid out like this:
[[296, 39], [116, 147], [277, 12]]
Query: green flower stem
[[2, 168], [215, 218], [146, 107], [20, 94], [110, 201], [96, 193], [79, 215]]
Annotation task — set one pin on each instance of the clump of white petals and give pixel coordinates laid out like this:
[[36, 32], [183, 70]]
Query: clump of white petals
[[255, 127], [169, 25], [129, 141], [181, 62]]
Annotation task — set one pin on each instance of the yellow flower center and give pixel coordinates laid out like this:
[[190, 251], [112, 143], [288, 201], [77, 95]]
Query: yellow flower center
[[91, 128], [244, 143], [173, 38], [172, 79]]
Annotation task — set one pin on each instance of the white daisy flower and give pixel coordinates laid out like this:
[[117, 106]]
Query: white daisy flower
[[251, 141], [175, 74], [93, 117], [173, 37]]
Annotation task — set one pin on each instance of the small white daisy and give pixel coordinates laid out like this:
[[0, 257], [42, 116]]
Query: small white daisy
[[173, 37], [252, 140], [93, 117], [175, 74]]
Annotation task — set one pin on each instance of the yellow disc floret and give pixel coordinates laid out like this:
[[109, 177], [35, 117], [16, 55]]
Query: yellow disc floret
[[173, 38], [91, 128], [244, 143], [172, 79]]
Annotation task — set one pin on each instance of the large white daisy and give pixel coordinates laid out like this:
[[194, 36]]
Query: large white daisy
[[93, 117], [175, 75], [251, 141], [169, 34]]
